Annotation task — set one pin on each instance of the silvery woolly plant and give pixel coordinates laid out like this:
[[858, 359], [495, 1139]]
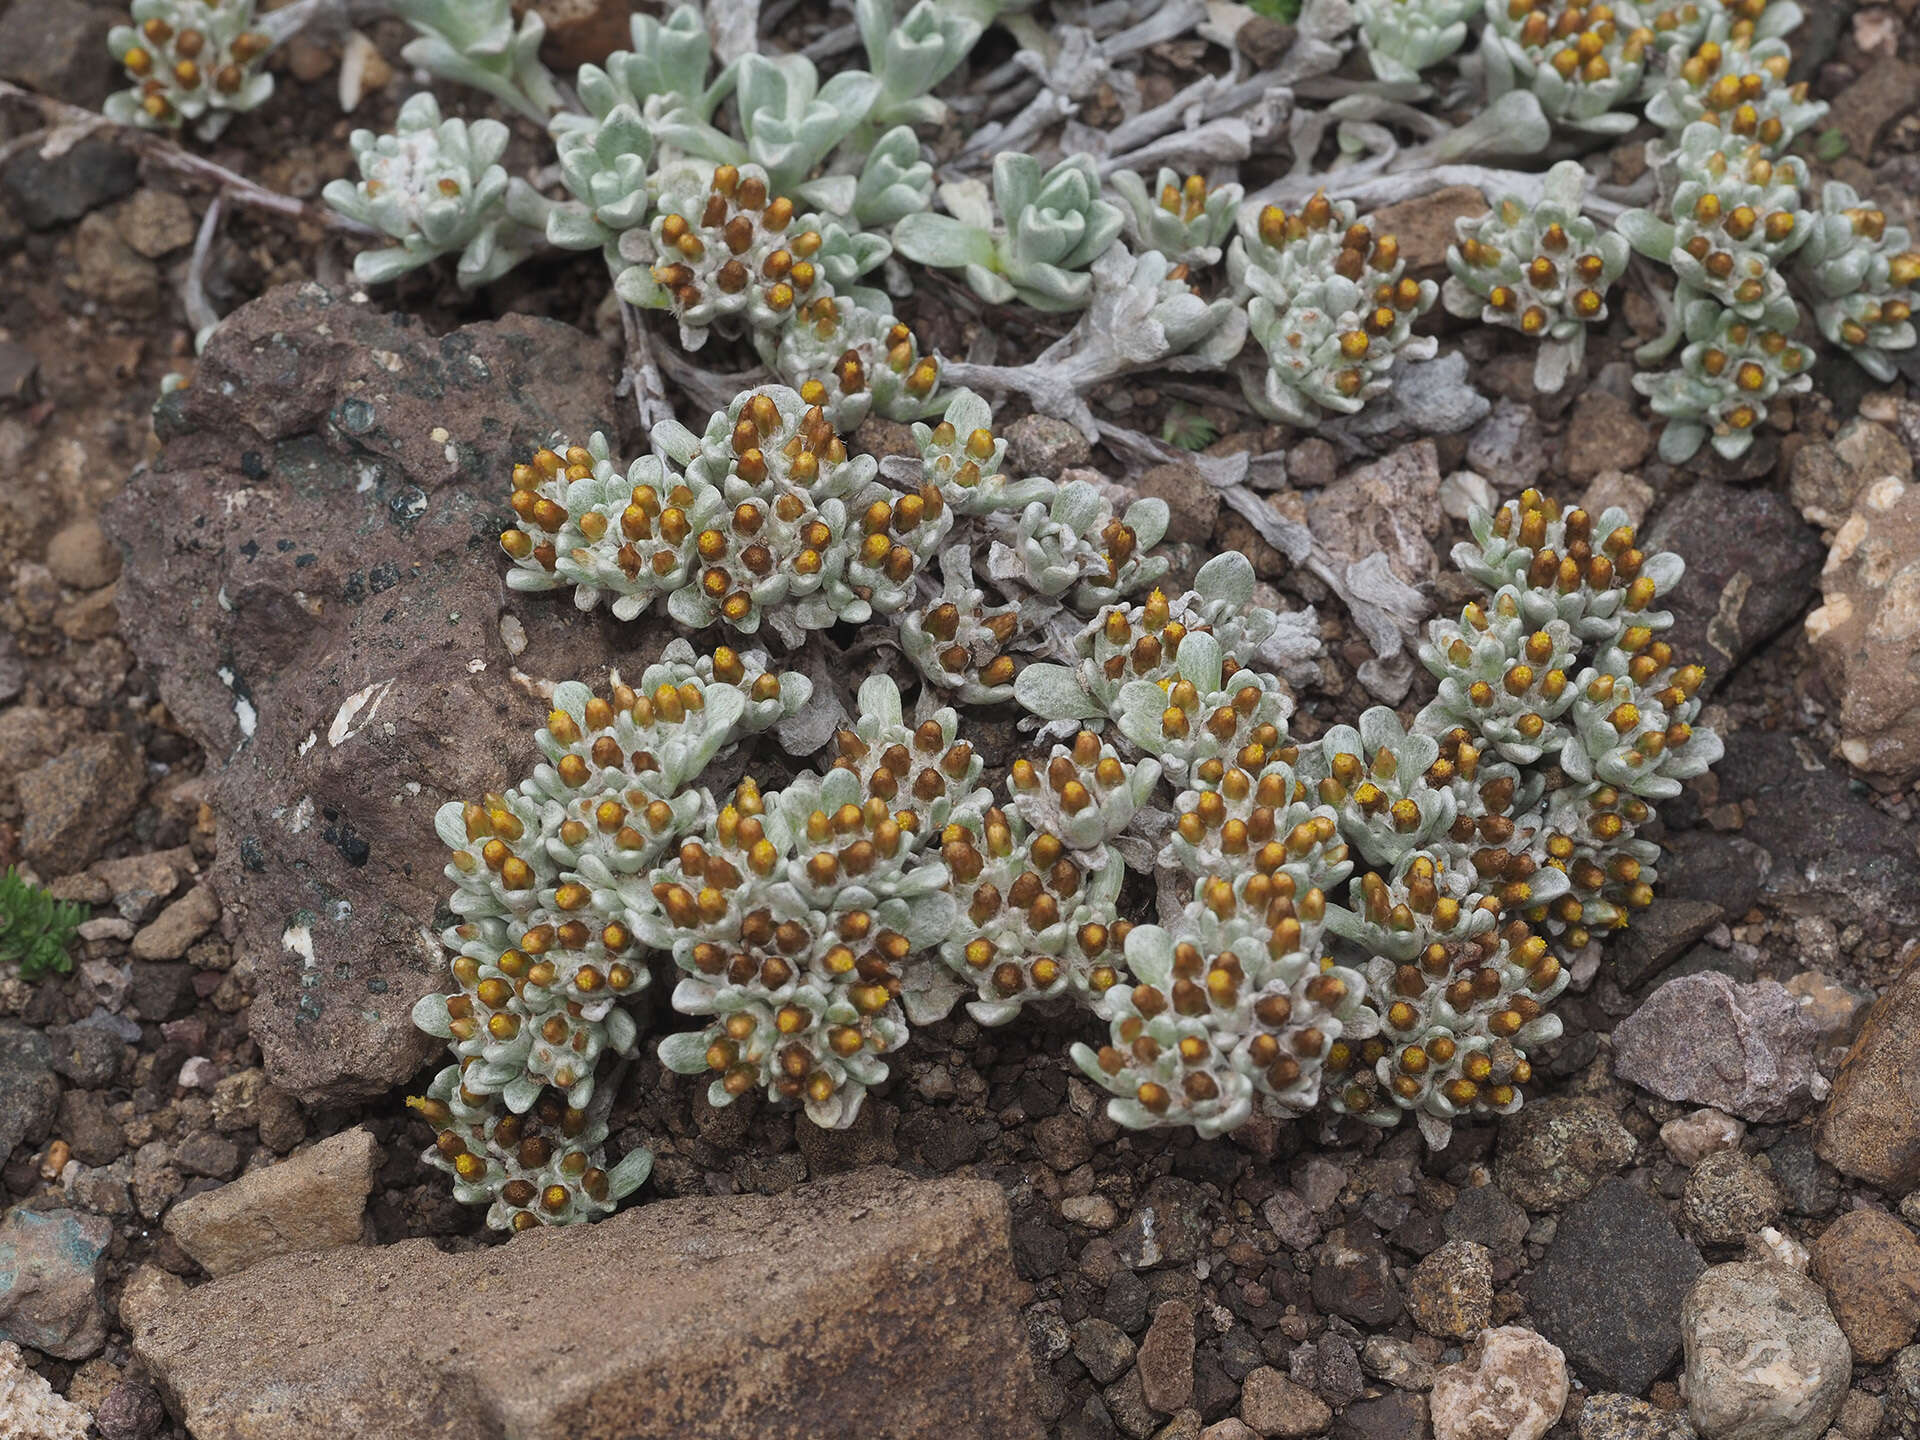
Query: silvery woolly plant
[[1585, 77], [1051, 226], [1188, 220], [480, 43], [1373, 923], [1404, 37], [1730, 369], [435, 187], [652, 143], [1331, 305], [1373, 915]]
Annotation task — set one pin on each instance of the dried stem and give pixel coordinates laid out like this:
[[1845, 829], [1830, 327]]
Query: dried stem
[[642, 373]]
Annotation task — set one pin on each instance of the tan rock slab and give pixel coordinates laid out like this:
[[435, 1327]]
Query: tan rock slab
[[869, 1304], [312, 1201]]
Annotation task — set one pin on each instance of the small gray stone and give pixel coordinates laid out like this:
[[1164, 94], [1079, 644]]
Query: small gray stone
[[1397, 1415], [1485, 1213], [1103, 1348], [58, 50], [1604, 433], [1617, 487], [1555, 1151], [86, 1054], [1127, 1407], [1384, 508], [1621, 1417], [1728, 1197], [51, 192], [1352, 1277], [1043, 445], [1611, 1285], [29, 1091], [1192, 504], [156, 223], [1167, 1227], [156, 1184], [1291, 1219], [1450, 1293], [87, 1125], [1694, 1136], [1509, 444], [1902, 1416], [73, 804], [1264, 40], [1751, 568], [1765, 1359], [1337, 1376], [1063, 1142], [1397, 1363], [1705, 1040], [1658, 936]]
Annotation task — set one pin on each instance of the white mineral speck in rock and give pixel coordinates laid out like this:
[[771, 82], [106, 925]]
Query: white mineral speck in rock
[[348, 720]]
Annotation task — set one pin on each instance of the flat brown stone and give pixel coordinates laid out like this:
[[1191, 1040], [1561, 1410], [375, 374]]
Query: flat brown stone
[[1871, 1127], [869, 1304]]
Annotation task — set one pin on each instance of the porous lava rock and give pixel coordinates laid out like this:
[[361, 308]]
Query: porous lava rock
[[312, 576]]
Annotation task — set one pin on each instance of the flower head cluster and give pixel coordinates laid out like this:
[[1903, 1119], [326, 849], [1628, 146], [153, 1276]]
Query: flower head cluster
[[1461, 998], [1726, 74], [1865, 277], [1185, 220], [1330, 304], [1542, 269], [1373, 915], [1585, 62], [1729, 371], [1124, 644], [731, 253], [189, 60], [1736, 217], [770, 515], [961, 641], [1732, 215]]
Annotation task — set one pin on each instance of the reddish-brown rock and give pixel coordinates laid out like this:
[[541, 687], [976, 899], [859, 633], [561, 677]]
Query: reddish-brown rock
[[1869, 1265], [1871, 1126], [868, 1304], [313, 579]]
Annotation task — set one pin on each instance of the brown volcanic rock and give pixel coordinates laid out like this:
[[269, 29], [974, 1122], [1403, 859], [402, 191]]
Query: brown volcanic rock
[[1871, 1126], [312, 576], [868, 1304]]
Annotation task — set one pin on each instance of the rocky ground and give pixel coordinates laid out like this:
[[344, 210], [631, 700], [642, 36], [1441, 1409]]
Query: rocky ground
[[236, 686]]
